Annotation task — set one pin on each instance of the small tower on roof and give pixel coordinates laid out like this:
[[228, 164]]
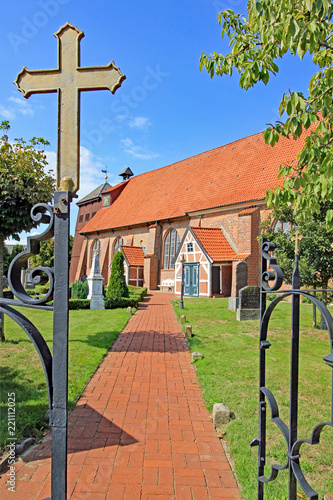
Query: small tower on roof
[[126, 173]]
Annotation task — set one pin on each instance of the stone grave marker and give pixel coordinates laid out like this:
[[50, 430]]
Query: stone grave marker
[[241, 282], [95, 284], [249, 303]]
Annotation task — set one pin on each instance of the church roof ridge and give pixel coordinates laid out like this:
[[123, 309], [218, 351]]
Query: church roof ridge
[[238, 172]]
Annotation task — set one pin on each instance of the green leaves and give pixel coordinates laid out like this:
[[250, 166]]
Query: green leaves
[[272, 29], [23, 182]]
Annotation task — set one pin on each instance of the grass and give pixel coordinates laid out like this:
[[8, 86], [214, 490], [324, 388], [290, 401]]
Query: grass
[[91, 333], [229, 372]]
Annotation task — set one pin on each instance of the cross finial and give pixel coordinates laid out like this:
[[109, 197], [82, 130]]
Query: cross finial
[[69, 80], [297, 238]]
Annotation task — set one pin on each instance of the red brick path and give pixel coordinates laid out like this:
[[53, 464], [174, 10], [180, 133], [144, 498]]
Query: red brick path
[[140, 430]]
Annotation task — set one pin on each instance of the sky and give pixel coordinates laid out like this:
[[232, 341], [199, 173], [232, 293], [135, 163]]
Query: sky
[[165, 111]]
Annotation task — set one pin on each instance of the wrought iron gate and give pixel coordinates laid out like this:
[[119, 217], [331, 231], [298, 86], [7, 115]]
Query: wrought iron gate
[[55, 366], [270, 271]]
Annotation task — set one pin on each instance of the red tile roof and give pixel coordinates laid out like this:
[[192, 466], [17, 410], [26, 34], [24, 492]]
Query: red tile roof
[[237, 172], [133, 255], [214, 243]]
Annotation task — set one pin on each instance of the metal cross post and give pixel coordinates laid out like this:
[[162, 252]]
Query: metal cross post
[[68, 80], [294, 366]]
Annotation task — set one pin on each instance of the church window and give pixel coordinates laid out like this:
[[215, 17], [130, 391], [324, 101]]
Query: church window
[[96, 248], [117, 244], [81, 218], [189, 247], [92, 215], [143, 247], [87, 217], [171, 244]]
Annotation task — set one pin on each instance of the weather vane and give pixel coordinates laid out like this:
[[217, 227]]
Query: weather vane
[[106, 173]]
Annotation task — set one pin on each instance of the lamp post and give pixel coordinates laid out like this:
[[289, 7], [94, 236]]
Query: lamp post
[[181, 303]]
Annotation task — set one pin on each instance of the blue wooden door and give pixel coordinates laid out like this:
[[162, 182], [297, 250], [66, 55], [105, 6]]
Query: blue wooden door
[[191, 280]]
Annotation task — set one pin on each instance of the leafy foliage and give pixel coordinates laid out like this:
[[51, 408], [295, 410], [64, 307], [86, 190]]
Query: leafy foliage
[[117, 285], [273, 28], [75, 304], [137, 291], [6, 260], [80, 290], [316, 247], [120, 302], [46, 253], [23, 182]]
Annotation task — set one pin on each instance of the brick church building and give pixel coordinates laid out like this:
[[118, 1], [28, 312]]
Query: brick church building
[[205, 209]]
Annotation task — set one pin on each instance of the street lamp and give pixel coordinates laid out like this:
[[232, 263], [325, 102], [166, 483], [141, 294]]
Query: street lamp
[[181, 303]]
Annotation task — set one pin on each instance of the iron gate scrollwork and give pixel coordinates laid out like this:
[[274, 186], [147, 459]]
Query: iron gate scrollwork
[[293, 444], [55, 366]]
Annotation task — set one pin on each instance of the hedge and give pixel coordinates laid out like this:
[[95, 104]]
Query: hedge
[[121, 302], [79, 304], [137, 291]]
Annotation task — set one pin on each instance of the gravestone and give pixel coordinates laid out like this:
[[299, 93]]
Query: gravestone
[[249, 303], [95, 284], [241, 282], [27, 279]]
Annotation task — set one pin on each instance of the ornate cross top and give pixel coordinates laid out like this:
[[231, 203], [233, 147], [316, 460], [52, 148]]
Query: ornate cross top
[[68, 80], [297, 238]]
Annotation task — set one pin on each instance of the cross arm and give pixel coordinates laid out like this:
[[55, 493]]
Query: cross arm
[[100, 78], [37, 82]]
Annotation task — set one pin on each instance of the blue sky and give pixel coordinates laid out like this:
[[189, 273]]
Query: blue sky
[[166, 109]]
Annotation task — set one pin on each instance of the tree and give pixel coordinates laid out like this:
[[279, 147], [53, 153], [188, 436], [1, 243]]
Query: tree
[[23, 183], [6, 260], [316, 247], [273, 28], [8, 257], [46, 254], [117, 285]]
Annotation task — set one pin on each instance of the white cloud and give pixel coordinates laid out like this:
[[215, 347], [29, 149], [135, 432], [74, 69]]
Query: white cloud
[[18, 105], [7, 113], [91, 174], [22, 105], [139, 122], [137, 151]]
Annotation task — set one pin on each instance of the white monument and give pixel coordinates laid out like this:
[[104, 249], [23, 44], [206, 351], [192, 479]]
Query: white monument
[[95, 284]]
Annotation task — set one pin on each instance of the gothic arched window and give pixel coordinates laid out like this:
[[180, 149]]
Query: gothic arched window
[[96, 246], [117, 244], [171, 244]]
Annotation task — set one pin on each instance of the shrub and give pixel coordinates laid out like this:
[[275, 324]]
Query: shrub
[[79, 304], [80, 290], [137, 291], [117, 286], [120, 302]]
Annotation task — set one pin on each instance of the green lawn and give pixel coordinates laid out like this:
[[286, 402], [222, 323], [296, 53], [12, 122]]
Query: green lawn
[[91, 335], [228, 374]]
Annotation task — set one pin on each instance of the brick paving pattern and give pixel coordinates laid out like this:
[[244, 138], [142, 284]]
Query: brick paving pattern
[[140, 429]]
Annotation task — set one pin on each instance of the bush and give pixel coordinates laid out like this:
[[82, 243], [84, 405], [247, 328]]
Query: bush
[[79, 304], [80, 290], [117, 286], [120, 302], [137, 291]]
